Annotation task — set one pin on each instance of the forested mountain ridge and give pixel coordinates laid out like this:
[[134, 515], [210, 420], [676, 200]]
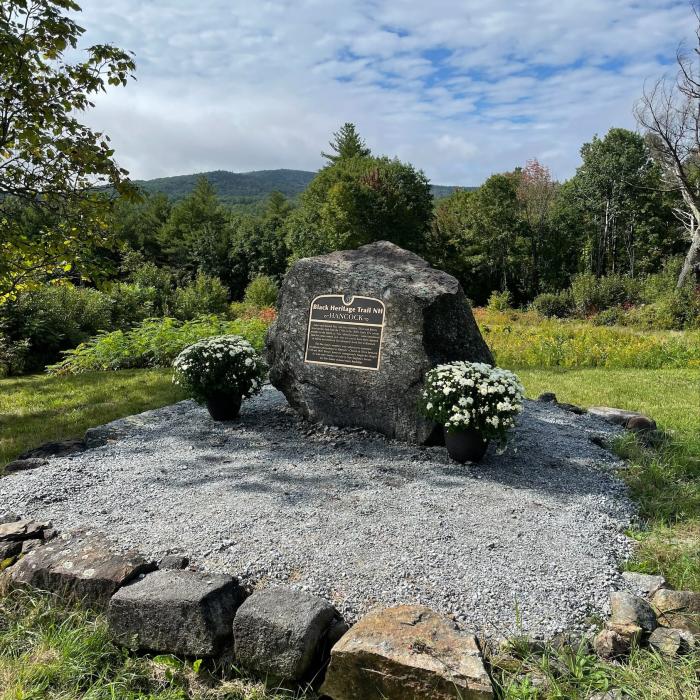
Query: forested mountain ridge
[[251, 186]]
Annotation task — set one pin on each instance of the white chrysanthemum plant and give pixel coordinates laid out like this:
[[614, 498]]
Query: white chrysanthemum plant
[[472, 396], [224, 365]]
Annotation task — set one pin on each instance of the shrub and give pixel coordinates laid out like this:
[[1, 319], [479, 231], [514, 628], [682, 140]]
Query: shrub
[[262, 292], [220, 365], [13, 356], [204, 295], [472, 395], [133, 303], [677, 310], [500, 301], [155, 342], [592, 294], [54, 318], [615, 316], [148, 274], [558, 305]]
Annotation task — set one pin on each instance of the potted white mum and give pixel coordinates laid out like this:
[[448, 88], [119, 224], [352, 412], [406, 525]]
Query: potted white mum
[[474, 402], [220, 372]]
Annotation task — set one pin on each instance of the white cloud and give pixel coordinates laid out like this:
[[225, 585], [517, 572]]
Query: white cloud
[[460, 89]]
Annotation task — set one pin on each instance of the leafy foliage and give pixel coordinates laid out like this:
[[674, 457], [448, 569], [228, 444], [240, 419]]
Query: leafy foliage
[[47, 157], [262, 292], [257, 245], [194, 237], [549, 304], [359, 200], [54, 318], [524, 339], [204, 295], [155, 342]]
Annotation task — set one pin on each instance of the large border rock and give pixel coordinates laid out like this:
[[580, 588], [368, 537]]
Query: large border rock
[[679, 609], [176, 612], [427, 322], [81, 566], [19, 530], [406, 652], [629, 609], [278, 633]]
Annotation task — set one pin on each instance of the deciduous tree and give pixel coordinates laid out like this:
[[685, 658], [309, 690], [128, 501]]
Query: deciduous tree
[[359, 200], [669, 111], [48, 158]]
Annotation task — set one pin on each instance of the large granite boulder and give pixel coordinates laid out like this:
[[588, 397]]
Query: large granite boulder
[[176, 612], [406, 652], [381, 318]]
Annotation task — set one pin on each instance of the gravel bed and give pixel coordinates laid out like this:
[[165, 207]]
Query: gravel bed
[[527, 541]]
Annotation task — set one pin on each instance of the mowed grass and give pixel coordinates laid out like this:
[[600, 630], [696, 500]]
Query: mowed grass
[[40, 408]]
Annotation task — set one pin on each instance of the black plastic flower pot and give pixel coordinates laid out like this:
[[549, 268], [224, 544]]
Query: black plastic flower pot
[[466, 445], [225, 407]]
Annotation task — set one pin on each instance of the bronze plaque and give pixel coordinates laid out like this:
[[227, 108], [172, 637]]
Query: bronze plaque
[[345, 334]]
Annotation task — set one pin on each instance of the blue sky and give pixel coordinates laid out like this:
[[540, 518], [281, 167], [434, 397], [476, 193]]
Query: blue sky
[[459, 89]]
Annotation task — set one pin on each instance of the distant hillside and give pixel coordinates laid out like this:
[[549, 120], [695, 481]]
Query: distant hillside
[[244, 188]]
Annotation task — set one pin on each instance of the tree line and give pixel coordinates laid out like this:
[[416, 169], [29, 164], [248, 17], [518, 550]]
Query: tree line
[[631, 207]]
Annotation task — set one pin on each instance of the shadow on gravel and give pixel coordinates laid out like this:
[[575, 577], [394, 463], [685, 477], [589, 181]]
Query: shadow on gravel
[[269, 452]]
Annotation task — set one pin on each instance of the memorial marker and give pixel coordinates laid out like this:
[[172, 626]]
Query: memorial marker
[[357, 330], [345, 334]]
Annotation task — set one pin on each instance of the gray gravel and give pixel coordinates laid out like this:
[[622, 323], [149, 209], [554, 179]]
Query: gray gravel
[[527, 541]]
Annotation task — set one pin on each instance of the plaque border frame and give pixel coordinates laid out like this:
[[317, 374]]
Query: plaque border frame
[[348, 323]]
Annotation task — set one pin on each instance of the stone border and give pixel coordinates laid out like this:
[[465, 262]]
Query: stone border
[[290, 637]]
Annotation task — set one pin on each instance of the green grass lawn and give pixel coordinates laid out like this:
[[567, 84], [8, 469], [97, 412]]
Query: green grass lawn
[[670, 396], [42, 408], [50, 651]]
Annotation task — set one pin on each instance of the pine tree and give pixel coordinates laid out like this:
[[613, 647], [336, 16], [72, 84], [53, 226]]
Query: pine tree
[[346, 143]]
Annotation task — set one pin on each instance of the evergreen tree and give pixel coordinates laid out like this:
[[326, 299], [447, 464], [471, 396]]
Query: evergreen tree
[[346, 143], [195, 237]]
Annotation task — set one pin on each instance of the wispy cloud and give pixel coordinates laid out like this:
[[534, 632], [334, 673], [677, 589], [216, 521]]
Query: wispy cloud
[[460, 89]]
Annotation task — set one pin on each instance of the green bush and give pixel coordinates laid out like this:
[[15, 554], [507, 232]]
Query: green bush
[[156, 342], [500, 301], [677, 310], [13, 356], [149, 275], [133, 303], [262, 292], [204, 295], [661, 284], [54, 318], [615, 316], [592, 294], [558, 305]]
